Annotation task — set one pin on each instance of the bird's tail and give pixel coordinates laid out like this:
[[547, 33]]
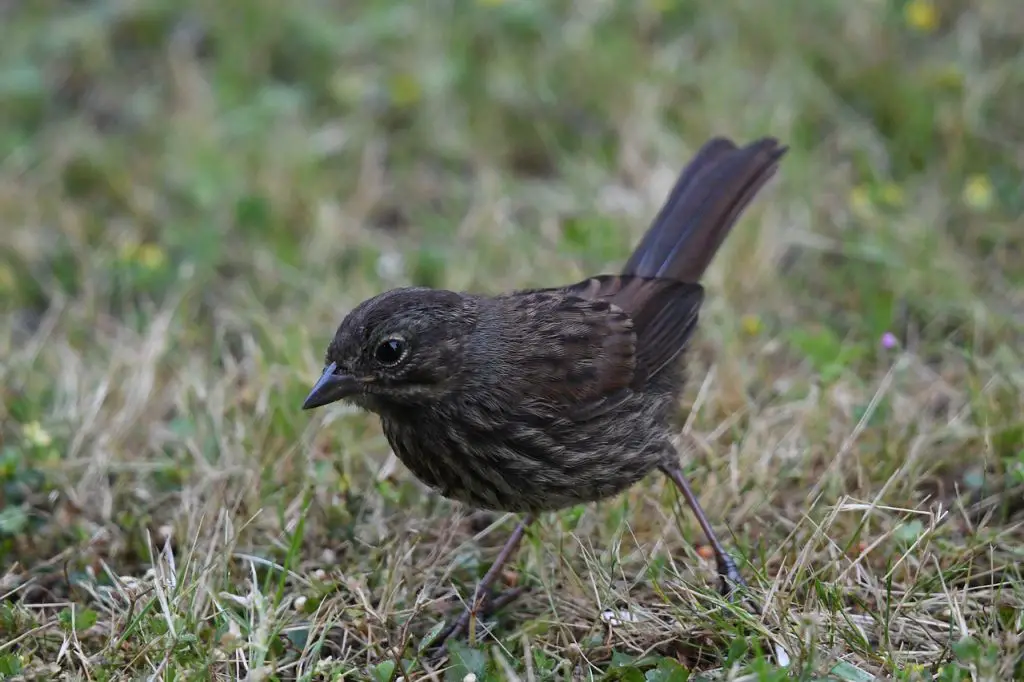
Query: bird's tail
[[711, 192]]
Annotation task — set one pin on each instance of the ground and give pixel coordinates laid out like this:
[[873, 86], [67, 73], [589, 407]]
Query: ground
[[193, 194]]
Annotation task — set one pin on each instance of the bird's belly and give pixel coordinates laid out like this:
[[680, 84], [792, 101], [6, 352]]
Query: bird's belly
[[522, 470]]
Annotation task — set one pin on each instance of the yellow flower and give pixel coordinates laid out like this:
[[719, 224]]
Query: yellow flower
[[921, 15], [151, 256], [978, 192], [892, 194], [36, 435], [949, 76], [405, 89], [860, 202], [751, 325], [6, 278]]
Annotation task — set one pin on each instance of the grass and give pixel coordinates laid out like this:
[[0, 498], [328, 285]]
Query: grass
[[193, 194]]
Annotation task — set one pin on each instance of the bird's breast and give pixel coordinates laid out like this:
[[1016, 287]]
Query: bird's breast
[[524, 462]]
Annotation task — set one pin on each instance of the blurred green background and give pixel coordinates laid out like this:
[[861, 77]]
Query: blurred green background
[[192, 195]]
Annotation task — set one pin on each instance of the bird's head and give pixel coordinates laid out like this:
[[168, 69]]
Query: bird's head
[[401, 347]]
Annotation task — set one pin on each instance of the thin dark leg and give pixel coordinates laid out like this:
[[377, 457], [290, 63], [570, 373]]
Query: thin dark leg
[[460, 626], [727, 570]]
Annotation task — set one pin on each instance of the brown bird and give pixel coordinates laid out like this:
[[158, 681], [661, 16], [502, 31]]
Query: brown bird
[[542, 399]]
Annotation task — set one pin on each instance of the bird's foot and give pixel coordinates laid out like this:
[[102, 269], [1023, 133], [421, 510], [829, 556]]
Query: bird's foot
[[729, 576], [484, 605], [732, 584]]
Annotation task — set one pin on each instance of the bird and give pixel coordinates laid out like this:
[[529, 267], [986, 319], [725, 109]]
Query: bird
[[539, 399]]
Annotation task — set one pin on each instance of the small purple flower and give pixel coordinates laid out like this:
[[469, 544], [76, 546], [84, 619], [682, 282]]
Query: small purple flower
[[889, 340]]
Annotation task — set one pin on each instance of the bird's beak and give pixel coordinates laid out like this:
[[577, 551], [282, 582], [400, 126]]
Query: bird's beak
[[331, 387]]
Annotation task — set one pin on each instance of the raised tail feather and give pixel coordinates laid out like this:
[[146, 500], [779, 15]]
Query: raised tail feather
[[710, 194]]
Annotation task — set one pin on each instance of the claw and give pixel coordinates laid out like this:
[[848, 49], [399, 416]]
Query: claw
[[481, 597]]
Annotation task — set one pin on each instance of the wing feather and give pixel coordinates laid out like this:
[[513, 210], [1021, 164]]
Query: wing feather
[[583, 352], [664, 313]]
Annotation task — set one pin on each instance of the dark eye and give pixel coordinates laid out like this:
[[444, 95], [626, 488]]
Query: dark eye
[[390, 352]]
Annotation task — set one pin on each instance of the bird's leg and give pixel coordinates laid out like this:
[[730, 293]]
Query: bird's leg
[[727, 570], [459, 627]]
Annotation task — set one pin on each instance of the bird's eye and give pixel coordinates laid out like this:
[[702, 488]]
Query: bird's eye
[[390, 352]]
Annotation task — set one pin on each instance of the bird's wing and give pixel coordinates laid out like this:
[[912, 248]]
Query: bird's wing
[[663, 313], [582, 352]]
